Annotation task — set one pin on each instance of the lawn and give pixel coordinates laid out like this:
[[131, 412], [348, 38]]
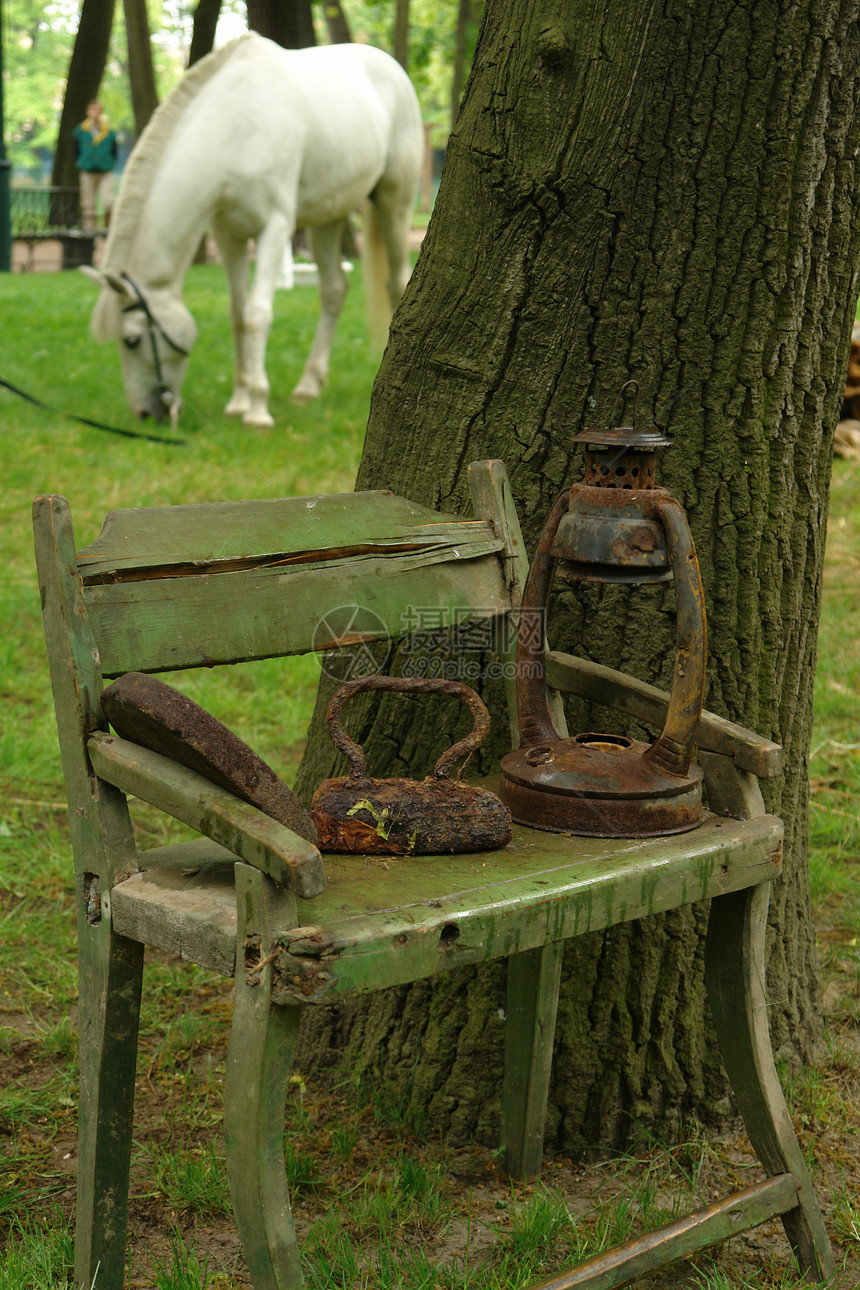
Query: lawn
[[379, 1202]]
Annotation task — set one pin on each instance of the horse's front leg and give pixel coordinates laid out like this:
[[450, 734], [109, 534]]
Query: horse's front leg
[[256, 319], [234, 257], [326, 243]]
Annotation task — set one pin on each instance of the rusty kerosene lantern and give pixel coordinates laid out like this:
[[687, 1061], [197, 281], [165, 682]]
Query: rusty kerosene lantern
[[616, 526]]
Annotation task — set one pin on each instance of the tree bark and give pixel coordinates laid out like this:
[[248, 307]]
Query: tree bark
[[665, 192], [144, 95], [86, 69], [289, 22], [206, 17]]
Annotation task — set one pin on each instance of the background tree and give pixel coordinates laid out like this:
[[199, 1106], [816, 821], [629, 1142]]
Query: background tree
[[206, 17], [144, 95], [666, 192], [86, 70], [400, 37], [336, 22], [288, 22], [465, 21]]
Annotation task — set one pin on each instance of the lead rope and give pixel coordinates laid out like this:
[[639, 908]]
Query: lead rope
[[86, 421]]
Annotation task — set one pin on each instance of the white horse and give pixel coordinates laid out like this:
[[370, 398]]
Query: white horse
[[254, 142]]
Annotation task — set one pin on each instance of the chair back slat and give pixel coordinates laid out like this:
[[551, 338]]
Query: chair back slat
[[174, 587], [195, 620], [155, 539]]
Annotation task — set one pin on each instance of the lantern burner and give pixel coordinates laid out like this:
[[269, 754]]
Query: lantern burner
[[622, 456]]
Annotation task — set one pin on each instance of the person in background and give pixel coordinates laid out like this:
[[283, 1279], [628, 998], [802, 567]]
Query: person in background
[[95, 158]]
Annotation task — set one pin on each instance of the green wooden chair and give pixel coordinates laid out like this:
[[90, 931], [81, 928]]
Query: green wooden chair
[[190, 586]]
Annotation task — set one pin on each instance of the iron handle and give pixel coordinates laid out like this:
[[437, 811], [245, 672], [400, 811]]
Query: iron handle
[[418, 685]]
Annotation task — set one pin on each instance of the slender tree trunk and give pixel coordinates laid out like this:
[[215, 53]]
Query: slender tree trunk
[[458, 72], [668, 192], [335, 18], [86, 69], [144, 95], [400, 40], [206, 17], [289, 22]]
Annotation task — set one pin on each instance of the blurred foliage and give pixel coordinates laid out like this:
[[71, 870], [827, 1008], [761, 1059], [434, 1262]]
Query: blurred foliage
[[38, 37], [432, 41]]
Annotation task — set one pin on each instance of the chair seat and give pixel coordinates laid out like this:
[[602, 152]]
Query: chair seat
[[394, 919]]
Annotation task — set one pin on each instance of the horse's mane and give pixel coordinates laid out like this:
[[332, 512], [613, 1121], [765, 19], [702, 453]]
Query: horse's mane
[[137, 180], [137, 176]]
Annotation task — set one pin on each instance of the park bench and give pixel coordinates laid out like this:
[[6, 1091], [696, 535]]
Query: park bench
[[47, 215], [169, 588]]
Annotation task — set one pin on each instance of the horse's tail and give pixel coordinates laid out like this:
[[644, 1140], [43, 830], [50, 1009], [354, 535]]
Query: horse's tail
[[374, 263]]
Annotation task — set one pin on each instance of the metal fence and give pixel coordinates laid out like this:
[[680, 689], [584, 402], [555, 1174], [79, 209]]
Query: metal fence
[[41, 212]]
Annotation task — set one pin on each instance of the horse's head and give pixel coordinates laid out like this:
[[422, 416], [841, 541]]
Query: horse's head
[[155, 333]]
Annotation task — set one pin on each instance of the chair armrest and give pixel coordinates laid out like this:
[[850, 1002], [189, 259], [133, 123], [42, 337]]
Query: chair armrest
[[252, 836], [601, 684]]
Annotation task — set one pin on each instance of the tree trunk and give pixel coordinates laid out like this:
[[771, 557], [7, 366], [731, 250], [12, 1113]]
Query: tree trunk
[[144, 95], [400, 39], [289, 22], [206, 17], [665, 192], [335, 18], [86, 69]]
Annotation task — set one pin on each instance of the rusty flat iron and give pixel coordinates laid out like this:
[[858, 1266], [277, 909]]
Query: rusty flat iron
[[434, 816], [151, 713]]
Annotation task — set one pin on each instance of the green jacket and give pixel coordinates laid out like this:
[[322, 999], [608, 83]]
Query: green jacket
[[94, 152]]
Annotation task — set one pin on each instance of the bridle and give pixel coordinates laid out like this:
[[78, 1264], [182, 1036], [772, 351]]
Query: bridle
[[153, 327]]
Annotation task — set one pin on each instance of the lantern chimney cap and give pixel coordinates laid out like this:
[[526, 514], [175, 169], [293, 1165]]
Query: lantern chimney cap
[[624, 435]]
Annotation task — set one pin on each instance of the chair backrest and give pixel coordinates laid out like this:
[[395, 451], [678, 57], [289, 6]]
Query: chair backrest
[[170, 588], [189, 586]]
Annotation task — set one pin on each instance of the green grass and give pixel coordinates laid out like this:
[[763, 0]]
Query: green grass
[[379, 1203], [192, 1179], [183, 1269], [38, 1255], [835, 759]]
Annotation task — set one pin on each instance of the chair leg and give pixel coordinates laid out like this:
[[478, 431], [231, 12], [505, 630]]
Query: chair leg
[[533, 981], [111, 972], [735, 979], [259, 1060]]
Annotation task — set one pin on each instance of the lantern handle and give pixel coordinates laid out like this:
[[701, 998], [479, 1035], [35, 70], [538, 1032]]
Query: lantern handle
[[673, 749], [535, 723], [630, 389]]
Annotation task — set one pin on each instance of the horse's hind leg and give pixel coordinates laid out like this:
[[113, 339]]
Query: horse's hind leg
[[326, 243], [392, 204], [385, 253]]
